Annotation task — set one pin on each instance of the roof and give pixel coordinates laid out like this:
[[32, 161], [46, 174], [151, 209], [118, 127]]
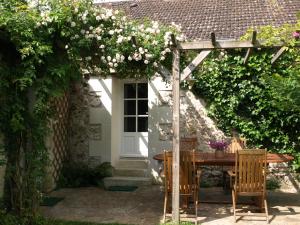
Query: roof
[[229, 19]]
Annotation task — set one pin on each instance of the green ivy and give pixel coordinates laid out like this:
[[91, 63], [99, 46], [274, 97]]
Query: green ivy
[[241, 97]]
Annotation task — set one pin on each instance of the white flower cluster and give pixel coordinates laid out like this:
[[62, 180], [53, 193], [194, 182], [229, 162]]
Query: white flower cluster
[[109, 32]]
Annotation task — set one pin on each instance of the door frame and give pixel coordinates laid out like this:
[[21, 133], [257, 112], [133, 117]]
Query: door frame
[[121, 153]]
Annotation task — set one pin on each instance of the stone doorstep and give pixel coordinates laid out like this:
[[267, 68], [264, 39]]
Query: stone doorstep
[[133, 163], [130, 172], [126, 181]]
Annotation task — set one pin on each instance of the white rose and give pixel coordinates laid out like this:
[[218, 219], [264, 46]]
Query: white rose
[[99, 38], [122, 58], [162, 58], [111, 70], [82, 31], [91, 28], [88, 58], [110, 64], [111, 32], [146, 61], [116, 65], [66, 47], [129, 58], [102, 46], [155, 64], [114, 60], [98, 18], [73, 24], [76, 10]]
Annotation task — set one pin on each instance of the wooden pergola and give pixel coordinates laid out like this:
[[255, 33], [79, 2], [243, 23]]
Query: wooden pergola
[[205, 48]]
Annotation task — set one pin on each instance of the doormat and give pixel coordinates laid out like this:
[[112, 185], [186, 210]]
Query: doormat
[[122, 188], [50, 201]]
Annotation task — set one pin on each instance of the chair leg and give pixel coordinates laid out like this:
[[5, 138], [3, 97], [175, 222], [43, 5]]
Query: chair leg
[[266, 210], [234, 204], [165, 207], [196, 207]]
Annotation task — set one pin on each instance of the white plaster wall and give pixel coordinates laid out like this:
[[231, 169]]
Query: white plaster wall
[[116, 122], [100, 113]]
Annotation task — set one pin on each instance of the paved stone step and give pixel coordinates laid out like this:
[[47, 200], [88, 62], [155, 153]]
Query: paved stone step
[[129, 172], [126, 181], [133, 163]]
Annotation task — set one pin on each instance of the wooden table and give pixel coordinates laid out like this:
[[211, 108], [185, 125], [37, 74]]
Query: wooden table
[[229, 158]]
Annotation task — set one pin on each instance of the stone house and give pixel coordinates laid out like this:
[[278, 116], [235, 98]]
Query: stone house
[[127, 122]]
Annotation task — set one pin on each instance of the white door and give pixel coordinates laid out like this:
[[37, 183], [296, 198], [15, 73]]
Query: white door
[[135, 120]]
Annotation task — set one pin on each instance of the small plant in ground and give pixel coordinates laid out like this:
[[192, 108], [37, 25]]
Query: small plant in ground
[[81, 175], [272, 184]]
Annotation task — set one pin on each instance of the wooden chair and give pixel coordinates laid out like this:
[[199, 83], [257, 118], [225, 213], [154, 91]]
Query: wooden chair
[[189, 179], [250, 178], [237, 143], [188, 143]]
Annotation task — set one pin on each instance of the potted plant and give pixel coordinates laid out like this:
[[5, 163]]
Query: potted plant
[[219, 146]]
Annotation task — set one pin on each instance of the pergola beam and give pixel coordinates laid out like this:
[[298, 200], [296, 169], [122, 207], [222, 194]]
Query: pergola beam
[[193, 65], [226, 44], [176, 134], [278, 54], [249, 51]]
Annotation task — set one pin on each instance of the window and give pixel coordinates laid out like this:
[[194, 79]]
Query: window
[[136, 107]]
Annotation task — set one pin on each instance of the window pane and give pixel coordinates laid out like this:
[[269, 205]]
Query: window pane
[[129, 124], [129, 107], [143, 107], [129, 90], [142, 90], [143, 124]]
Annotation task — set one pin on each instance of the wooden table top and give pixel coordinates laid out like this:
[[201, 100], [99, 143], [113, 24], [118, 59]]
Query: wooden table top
[[229, 158]]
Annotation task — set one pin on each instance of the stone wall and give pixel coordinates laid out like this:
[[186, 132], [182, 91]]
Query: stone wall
[[79, 120], [90, 121]]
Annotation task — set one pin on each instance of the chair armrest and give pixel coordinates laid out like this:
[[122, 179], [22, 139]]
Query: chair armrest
[[231, 173]]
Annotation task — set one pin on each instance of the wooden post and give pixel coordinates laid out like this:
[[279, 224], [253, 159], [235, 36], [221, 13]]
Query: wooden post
[[176, 133]]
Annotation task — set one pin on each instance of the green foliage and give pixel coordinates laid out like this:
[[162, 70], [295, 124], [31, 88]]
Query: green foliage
[[272, 184], [43, 48], [81, 175], [241, 97], [104, 170]]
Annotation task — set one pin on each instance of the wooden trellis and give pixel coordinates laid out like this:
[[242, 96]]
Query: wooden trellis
[[59, 126]]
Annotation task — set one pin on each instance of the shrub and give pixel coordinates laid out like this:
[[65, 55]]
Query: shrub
[[81, 175]]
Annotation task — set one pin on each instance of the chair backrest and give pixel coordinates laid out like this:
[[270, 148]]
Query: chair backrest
[[188, 143], [187, 171], [236, 144], [250, 168]]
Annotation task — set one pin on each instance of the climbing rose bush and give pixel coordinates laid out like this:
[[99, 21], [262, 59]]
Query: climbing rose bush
[[105, 41]]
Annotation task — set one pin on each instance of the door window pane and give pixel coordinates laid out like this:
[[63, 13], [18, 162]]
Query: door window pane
[[129, 107], [142, 107], [129, 124], [129, 90], [142, 90], [143, 124]]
